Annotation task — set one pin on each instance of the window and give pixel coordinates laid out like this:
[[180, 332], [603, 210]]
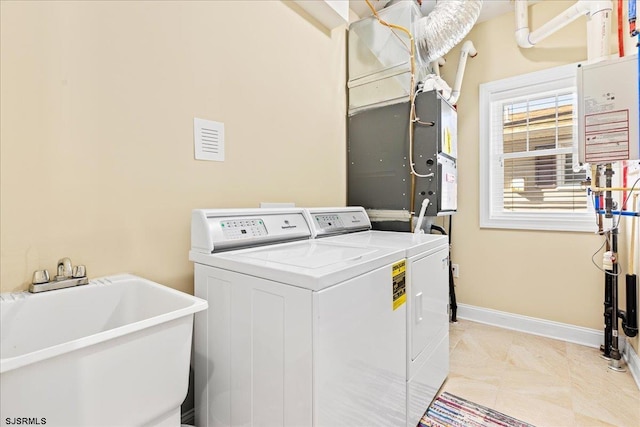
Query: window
[[528, 143]]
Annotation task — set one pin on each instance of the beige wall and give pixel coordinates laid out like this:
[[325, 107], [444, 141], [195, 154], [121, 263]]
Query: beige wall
[[97, 108], [547, 275]]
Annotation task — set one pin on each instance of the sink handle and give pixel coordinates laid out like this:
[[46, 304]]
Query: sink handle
[[40, 276], [79, 271]]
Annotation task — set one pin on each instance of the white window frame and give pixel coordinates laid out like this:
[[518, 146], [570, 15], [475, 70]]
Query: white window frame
[[493, 94]]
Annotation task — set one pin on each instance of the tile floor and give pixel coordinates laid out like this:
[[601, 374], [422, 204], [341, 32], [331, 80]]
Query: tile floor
[[539, 380]]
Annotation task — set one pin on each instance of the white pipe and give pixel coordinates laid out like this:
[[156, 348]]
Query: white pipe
[[423, 209], [598, 34], [522, 23], [596, 10], [468, 49], [435, 65]]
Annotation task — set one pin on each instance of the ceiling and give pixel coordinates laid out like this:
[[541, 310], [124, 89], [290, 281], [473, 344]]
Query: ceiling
[[490, 8]]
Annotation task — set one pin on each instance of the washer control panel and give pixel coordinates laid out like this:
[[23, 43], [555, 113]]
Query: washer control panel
[[243, 228], [215, 230]]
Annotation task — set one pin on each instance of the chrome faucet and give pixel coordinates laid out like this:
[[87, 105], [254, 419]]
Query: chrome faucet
[[66, 277], [64, 269]]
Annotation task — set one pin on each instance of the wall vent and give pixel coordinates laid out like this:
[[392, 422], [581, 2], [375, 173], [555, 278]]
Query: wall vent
[[208, 139]]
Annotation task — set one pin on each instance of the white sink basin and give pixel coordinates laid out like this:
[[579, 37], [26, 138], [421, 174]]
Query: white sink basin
[[114, 352]]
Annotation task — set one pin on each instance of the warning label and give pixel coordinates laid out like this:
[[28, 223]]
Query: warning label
[[446, 145], [606, 136], [399, 283]]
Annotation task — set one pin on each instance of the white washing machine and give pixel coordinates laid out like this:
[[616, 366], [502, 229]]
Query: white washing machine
[[427, 287], [298, 332]]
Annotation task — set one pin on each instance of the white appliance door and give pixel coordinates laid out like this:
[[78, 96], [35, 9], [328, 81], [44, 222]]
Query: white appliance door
[[252, 351], [429, 373], [428, 312], [360, 353]]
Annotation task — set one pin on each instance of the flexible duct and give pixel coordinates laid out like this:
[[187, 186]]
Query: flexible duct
[[442, 29]]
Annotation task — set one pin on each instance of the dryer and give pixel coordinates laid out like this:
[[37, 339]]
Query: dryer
[[299, 332], [427, 290]]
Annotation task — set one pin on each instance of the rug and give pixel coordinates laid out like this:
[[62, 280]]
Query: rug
[[452, 411]]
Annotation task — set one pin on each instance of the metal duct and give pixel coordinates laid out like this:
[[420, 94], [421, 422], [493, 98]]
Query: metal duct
[[442, 29]]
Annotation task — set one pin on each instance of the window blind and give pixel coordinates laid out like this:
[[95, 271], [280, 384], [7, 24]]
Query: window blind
[[535, 154]]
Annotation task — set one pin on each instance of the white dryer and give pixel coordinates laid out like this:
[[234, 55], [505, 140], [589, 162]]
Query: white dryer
[[427, 287], [298, 333]]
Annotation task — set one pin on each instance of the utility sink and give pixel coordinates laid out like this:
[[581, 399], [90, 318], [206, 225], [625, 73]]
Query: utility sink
[[114, 352]]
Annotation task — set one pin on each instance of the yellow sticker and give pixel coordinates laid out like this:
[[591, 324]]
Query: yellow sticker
[[447, 141], [399, 283]]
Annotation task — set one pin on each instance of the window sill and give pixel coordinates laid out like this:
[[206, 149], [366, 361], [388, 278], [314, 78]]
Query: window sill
[[536, 222]]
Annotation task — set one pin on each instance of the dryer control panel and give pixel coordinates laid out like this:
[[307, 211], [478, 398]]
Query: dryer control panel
[[332, 221], [329, 221]]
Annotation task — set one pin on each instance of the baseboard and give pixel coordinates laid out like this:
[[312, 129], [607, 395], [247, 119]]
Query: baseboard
[[633, 363], [532, 325], [188, 417]]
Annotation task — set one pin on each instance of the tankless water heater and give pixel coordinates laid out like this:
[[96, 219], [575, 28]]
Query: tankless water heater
[[608, 111]]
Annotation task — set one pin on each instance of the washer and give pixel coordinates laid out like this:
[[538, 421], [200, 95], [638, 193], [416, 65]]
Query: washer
[[427, 273], [299, 332]]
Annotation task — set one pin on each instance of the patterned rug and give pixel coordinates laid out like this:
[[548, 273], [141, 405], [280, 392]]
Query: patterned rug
[[452, 411]]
